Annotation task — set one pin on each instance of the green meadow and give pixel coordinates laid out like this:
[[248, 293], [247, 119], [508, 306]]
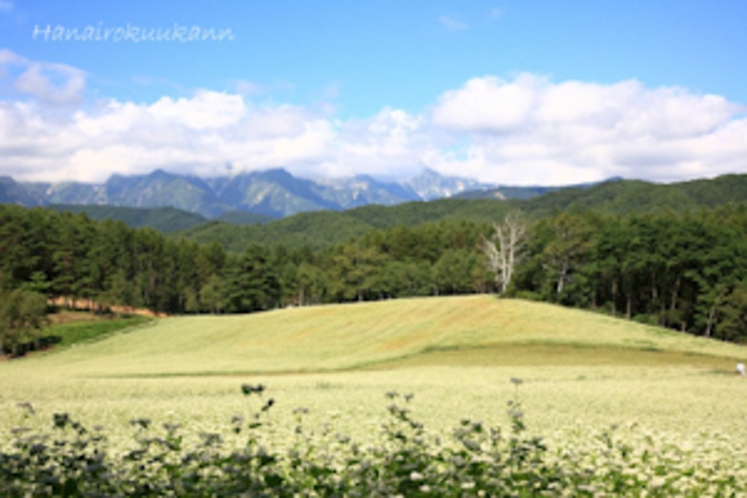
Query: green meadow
[[457, 330], [455, 354]]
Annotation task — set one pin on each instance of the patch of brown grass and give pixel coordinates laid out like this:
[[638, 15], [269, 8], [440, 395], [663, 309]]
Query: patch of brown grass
[[70, 316]]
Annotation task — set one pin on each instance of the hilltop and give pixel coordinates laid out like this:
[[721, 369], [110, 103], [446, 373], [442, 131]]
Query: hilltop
[[457, 330]]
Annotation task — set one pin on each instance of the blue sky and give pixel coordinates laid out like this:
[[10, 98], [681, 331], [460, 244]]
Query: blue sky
[[510, 92]]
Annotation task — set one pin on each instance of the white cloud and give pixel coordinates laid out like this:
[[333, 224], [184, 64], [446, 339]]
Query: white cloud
[[6, 6], [486, 104], [528, 130], [48, 82], [531, 130], [52, 83], [452, 24], [387, 144], [203, 111], [8, 57]]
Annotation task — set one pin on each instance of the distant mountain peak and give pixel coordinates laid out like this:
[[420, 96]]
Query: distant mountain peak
[[273, 173], [430, 172], [274, 192], [365, 178], [161, 174], [430, 184]]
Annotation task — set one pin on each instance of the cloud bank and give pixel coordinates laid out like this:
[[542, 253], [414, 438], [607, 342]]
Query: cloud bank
[[528, 130]]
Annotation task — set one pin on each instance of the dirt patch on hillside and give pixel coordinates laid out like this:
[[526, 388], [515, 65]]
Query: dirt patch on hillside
[[70, 316], [91, 305]]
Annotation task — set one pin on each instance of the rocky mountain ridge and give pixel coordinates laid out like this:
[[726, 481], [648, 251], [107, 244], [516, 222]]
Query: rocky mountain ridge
[[274, 192]]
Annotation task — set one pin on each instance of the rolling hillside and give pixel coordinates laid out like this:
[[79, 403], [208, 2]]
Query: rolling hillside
[[626, 196], [459, 330], [323, 228], [163, 219], [316, 230], [244, 218]]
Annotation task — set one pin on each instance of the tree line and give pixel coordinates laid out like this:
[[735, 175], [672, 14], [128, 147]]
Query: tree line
[[686, 271]]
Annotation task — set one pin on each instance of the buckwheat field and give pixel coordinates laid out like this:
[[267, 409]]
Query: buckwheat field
[[450, 396]]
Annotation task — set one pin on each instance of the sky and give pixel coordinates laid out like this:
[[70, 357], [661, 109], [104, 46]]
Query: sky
[[509, 92]]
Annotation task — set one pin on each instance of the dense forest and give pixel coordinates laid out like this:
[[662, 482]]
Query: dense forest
[[681, 270], [163, 219]]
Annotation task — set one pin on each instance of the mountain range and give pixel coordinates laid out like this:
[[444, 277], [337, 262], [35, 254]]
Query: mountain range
[[235, 230], [275, 193]]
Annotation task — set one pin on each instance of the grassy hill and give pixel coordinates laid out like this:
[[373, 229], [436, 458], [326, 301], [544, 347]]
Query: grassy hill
[[473, 330]]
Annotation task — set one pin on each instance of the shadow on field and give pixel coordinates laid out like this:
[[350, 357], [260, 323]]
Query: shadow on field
[[554, 355]]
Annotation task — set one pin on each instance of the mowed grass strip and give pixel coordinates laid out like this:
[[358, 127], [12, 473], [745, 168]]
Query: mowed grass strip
[[339, 337], [87, 327]]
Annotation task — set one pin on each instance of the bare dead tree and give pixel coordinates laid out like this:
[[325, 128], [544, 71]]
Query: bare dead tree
[[505, 248]]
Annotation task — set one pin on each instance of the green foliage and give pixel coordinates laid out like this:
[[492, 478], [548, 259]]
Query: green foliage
[[243, 218], [163, 219], [407, 460], [71, 256], [252, 284], [732, 320], [213, 294], [673, 270], [24, 325], [22, 313], [315, 230], [322, 229]]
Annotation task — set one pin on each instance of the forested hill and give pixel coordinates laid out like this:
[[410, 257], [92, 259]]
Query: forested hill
[[163, 219], [324, 228], [630, 196]]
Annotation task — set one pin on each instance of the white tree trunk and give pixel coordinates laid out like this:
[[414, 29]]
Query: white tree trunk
[[504, 249]]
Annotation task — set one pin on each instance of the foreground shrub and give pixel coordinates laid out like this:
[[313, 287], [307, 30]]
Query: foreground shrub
[[407, 460]]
